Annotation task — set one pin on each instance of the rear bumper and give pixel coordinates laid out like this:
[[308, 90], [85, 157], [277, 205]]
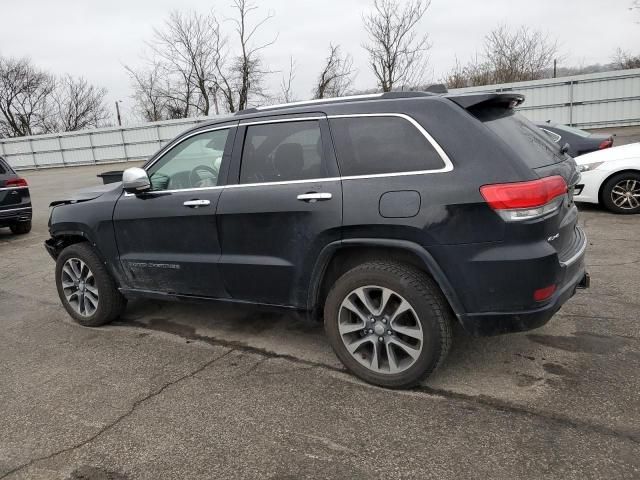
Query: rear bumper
[[9, 216], [496, 323]]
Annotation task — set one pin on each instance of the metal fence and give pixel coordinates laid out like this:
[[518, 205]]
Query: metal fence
[[598, 100], [104, 145]]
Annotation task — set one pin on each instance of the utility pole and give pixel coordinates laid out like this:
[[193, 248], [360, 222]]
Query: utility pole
[[118, 112], [555, 64]]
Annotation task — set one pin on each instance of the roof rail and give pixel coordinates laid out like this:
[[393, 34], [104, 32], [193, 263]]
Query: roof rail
[[349, 98]]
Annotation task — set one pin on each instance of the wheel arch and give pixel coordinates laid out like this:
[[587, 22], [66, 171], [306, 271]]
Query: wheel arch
[[339, 257], [611, 175]]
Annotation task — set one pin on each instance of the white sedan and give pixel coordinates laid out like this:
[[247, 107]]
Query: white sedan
[[611, 177]]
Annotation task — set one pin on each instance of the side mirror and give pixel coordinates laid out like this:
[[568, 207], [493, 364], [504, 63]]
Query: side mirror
[[135, 180], [565, 148]]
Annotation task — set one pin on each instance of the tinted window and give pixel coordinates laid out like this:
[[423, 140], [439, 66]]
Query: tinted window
[[531, 144], [193, 163], [3, 170], [575, 131], [277, 152], [371, 145]]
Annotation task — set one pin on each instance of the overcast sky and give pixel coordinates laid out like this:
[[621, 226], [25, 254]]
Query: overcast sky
[[95, 38]]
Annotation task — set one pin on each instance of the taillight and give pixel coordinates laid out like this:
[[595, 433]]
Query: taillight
[[543, 294], [605, 144], [525, 200], [16, 182]]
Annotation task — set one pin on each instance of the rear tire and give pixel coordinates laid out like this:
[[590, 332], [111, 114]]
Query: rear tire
[[21, 228], [411, 331], [619, 193], [85, 287]]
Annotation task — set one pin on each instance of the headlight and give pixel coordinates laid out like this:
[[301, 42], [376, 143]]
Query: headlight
[[590, 166]]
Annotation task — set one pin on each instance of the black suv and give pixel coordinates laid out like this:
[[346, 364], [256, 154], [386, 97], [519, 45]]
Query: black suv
[[391, 215], [15, 201]]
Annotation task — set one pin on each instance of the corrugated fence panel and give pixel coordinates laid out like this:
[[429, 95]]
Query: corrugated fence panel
[[607, 99]]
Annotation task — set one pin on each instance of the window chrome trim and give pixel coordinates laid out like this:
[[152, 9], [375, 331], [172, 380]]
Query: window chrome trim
[[281, 120], [554, 136], [448, 166], [320, 100], [12, 188]]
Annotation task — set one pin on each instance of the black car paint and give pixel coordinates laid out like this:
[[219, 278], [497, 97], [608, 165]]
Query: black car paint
[[259, 244], [15, 202], [577, 145]]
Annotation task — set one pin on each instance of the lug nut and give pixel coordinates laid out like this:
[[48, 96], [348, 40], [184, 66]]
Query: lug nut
[[370, 330], [381, 339], [389, 332], [384, 320]]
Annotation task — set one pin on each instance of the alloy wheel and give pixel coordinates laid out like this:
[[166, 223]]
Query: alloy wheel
[[626, 194], [79, 287], [380, 329]]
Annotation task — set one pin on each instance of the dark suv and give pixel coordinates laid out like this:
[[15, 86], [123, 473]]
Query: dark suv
[[391, 215], [15, 201]]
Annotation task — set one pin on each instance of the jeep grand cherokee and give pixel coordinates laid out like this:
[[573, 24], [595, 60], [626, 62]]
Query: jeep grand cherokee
[[390, 215]]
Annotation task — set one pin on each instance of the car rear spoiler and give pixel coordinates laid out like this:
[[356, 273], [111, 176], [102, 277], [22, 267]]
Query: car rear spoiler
[[480, 100]]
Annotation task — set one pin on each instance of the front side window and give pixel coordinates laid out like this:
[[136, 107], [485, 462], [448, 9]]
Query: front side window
[[193, 163], [377, 145], [284, 151]]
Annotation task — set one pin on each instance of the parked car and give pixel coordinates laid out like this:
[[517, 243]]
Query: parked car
[[15, 201], [580, 142], [611, 178], [373, 212]]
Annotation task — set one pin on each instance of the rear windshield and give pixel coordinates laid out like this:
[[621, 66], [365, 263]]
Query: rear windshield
[[575, 131], [525, 138]]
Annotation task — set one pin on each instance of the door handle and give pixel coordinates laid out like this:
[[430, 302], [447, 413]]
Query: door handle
[[314, 197], [197, 203]]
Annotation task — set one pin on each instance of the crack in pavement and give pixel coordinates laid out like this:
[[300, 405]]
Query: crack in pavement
[[481, 400], [561, 420], [109, 426]]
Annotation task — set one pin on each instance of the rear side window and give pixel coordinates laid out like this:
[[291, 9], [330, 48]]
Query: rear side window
[[531, 144], [376, 145], [3, 167], [284, 151]]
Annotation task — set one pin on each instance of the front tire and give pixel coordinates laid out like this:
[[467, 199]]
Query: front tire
[[21, 228], [388, 323], [621, 193], [85, 287]]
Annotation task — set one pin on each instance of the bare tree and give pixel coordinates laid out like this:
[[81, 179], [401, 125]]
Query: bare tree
[[397, 53], [77, 105], [623, 60], [336, 75], [178, 80], [186, 50], [286, 89], [150, 101], [240, 81], [518, 55], [25, 94], [508, 56]]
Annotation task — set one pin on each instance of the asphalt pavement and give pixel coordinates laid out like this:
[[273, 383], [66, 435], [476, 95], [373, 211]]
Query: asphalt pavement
[[215, 391]]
